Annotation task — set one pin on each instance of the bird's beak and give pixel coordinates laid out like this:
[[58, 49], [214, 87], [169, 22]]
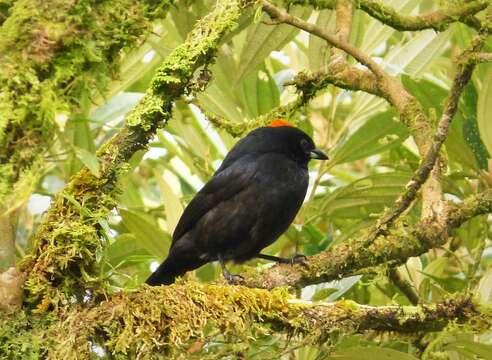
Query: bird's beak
[[318, 154]]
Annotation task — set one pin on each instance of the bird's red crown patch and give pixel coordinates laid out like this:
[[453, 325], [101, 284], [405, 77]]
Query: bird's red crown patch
[[279, 123]]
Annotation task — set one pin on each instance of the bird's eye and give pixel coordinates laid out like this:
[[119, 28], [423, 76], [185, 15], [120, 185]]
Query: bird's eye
[[305, 145]]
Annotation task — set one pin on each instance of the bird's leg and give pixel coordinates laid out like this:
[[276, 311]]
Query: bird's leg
[[233, 279], [296, 259]]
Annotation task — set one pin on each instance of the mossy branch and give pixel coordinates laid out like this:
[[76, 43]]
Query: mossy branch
[[69, 238], [170, 320], [46, 49], [465, 67], [394, 247], [482, 57], [438, 20]]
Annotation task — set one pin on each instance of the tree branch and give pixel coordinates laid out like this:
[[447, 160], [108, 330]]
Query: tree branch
[[10, 290], [463, 76], [345, 77], [282, 16], [171, 319], [405, 287], [438, 20], [45, 49], [7, 241], [482, 57], [471, 207], [355, 256], [68, 239], [344, 10]]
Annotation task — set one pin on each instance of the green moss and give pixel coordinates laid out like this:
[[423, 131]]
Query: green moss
[[71, 236], [164, 320], [53, 54], [23, 336]]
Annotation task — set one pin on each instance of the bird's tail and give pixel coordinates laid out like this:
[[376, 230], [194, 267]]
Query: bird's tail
[[171, 268], [165, 274]]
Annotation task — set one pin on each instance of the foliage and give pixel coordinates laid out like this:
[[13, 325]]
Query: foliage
[[84, 75]]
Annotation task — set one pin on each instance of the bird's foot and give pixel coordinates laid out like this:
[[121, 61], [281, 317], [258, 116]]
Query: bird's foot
[[298, 259], [233, 278]]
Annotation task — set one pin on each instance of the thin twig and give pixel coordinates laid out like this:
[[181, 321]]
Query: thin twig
[[282, 16], [465, 70], [482, 57], [405, 287]]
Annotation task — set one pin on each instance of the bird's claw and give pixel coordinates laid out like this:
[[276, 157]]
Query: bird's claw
[[298, 259], [233, 279]]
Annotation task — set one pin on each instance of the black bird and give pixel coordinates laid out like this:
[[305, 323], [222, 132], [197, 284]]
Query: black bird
[[249, 202]]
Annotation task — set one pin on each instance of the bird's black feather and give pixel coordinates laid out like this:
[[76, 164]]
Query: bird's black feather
[[249, 202]]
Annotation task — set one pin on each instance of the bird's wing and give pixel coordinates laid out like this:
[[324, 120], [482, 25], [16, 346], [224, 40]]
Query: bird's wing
[[224, 184]]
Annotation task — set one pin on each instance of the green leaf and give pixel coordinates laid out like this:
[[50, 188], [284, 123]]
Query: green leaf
[[374, 33], [465, 347], [259, 93], [427, 92], [124, 247], [484, 289], [263, 39], [335, 289], [461, 140], [434, 46], [116, 107], [267, 92], [365, 353], [222, 103], [366, 197], [89, 159], [378, 134], [147, 233], [318, 51], [471, 133], [83, 210], [171, 200], [323, 294], [484, 110], [130, 196]]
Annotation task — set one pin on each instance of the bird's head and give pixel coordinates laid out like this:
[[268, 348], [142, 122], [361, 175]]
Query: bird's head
[[281, 137]]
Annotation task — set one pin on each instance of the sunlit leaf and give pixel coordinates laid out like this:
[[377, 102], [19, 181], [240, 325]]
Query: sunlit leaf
[[89, 159], [318, 50], [361, 353], [171, 200], [466, 347], [366, 197], [484, 111], [263, 39], [377, 135], [148, 234]]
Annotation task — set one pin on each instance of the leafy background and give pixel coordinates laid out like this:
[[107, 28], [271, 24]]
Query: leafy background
[[372, 158]]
